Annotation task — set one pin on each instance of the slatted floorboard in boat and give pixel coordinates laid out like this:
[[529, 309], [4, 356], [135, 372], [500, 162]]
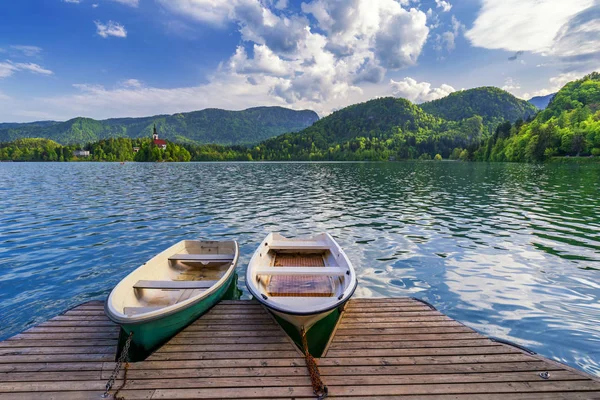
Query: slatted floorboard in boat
[[381, 348]]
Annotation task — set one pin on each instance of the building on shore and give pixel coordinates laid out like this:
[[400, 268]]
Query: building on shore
[[81, 153], [160, 143]]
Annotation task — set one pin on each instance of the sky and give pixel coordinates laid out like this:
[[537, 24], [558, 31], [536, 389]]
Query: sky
[[61, 59]]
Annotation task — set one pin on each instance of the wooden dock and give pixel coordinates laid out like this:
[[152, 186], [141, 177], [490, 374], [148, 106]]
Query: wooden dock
[[382, 348]]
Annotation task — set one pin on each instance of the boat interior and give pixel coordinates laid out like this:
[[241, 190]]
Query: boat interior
[[300, 273], [181, 272]]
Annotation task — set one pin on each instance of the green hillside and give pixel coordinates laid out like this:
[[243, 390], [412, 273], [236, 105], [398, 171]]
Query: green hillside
[[379, 129], [207, 126], [569, 126], [492, 104]]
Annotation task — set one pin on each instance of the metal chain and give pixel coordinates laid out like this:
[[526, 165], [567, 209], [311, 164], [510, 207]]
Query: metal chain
[[319, 389], [115, 374]]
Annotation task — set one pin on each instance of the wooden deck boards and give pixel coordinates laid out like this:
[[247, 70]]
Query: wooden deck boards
[[382, 348]]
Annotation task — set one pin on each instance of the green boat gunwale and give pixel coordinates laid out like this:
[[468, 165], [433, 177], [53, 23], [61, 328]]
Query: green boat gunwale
[[165, 312]]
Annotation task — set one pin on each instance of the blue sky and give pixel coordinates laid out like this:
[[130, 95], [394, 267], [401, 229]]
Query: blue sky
[[112, 58]]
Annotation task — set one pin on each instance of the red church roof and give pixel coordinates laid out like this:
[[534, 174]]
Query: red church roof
[[160, 142]]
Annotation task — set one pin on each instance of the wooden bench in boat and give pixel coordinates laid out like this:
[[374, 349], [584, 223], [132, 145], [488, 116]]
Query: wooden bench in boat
[[139, 310], [301, 271], [202, 257], [298, 245], [173, 285]]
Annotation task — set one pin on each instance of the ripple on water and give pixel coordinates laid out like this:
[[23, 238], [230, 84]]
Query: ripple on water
[[510, 250]]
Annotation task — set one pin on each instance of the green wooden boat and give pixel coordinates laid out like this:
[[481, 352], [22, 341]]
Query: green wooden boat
[[173, 289]]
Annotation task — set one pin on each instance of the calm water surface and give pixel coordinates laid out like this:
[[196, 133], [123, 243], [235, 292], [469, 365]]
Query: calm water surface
[[511, 250]]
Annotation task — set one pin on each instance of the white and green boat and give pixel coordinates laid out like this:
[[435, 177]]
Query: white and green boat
[[173, 289]]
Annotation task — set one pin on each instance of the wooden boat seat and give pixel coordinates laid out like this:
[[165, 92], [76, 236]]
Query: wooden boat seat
[[139, 310], [172, 285], [202, 257], [298, 245], [301, 271]]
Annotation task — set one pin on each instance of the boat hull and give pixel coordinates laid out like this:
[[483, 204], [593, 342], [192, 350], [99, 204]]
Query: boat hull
[[149, 335], [304, 321]]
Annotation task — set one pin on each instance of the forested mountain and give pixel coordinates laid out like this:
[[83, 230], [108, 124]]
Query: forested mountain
[[569, 126], [492, 104], [207, 126], [542, 102], [376, 130], [383, 129]]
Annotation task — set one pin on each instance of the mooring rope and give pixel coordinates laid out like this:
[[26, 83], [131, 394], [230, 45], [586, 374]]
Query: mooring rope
[[123, 358], [319, 389]]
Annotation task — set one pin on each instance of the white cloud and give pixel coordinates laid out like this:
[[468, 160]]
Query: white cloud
[[556, 83], [283, 60], [132, 3], [4, 97], [110, 29], [523, 25], [95, 5], [132, 83], [72, 1], [419, 92], [34, 68], [444, 5], [8, 68], [211, 11], [29, 51], [512, 86], [281, 4], [264, 61]]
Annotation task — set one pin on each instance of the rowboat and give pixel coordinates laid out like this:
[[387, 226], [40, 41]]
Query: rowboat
[[173, 289], [301, 280]]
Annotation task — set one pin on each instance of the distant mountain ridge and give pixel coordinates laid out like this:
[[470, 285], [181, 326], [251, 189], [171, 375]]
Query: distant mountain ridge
[[206, 126], [542, 102], [395, 128], [494, 105]]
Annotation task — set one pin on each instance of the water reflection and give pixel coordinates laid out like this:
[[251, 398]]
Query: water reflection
[[511, 250]]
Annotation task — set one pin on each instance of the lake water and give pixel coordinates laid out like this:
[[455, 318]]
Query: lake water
[[511, 250]]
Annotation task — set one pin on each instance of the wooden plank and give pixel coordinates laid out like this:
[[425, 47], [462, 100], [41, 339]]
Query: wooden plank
[[225, 393], [55, 358], [412, 344], [298, 245], [424, 359], [55, 336], [59, 350], [374, 319], [213, 339], [202, 257], [407, 337], [422, 351], [345, 326], [65, 343], [52, 376], [222, 355], [435, 369], [463, 388], [213, 372], [173, 285], [173, 348], [78, 395], [301, 271], [54, 366], [235, 332], [256, 363], [403, 331], [107, 329]]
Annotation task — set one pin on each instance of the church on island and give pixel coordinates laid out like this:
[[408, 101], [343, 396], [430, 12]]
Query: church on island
[[160, 143]]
